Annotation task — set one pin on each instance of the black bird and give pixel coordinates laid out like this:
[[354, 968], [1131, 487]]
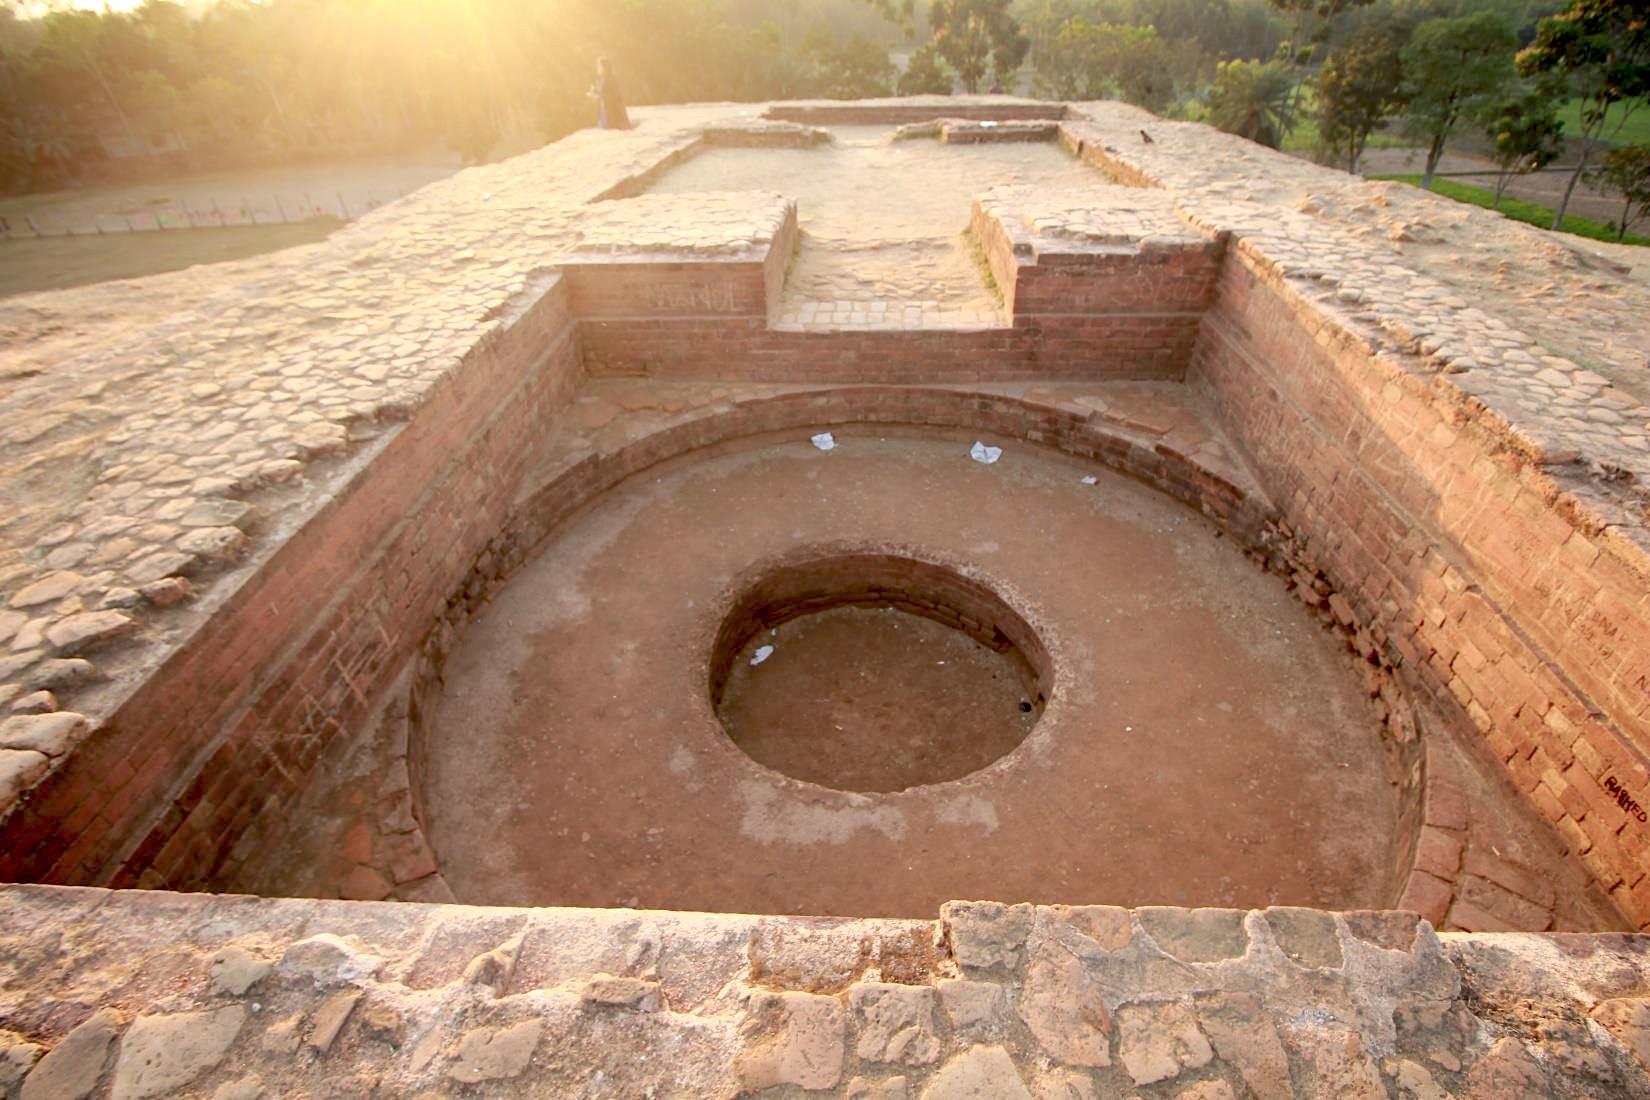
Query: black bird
[[1145, 137]]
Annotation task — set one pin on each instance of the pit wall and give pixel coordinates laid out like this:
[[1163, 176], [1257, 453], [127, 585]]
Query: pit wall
[[746, 349], [229, 728], [1457, 558]]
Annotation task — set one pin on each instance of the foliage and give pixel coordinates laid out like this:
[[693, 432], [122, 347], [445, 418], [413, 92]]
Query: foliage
[[1454, 69], [1621, 125], [1601, 49], [1360, 85], [1519, 210], [1626, 170], [1252, 99], [925, 74], [858, 68], [1095, 60], [172, 86], [976, 37], [1527, 134]]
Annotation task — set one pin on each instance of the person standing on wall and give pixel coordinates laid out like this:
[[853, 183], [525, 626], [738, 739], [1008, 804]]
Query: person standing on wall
[[610, 112]]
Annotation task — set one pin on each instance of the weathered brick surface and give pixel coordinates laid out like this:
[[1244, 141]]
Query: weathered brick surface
[[237, 717], [1449, 542]]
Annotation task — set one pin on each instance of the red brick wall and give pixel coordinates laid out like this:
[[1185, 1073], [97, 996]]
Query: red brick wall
[[1457, 555], [1056, 284], [235, 720], [897, 114], [1141, 346]]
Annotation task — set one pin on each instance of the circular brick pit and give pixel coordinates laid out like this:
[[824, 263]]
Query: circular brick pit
[[1202, 741], [876, 672]]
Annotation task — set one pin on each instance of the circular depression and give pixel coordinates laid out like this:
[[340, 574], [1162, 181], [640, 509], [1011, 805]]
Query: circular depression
[[876, 672], [1205, 742]]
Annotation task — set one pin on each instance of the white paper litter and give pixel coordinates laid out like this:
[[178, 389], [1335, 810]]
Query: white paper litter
[[981, 453], [825, 441], [763, 652], [1091, 480]]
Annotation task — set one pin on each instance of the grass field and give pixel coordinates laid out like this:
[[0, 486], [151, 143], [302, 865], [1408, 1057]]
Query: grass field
[[1620, 128], [1519, 210], [52, 263]]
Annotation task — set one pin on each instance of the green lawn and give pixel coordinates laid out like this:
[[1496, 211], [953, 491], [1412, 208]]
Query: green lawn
[[1519, 210], [1619, 127], [51, 263]]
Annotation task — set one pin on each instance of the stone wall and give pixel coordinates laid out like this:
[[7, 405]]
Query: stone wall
[[135, 995]]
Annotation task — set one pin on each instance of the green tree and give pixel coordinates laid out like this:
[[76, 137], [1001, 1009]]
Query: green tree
[[1252, 99], [976, 37], [1310, 22], [1454, 69], [855, 68], [1601, 49], [1360, 85], [925, 74], [1526, 133], [1626, 170], [1087, 60]]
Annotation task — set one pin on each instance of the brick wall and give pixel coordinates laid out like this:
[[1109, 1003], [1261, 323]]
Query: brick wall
[[894, 114], [234, 721], [1087, 280], [1459, 558], [1127, 346]]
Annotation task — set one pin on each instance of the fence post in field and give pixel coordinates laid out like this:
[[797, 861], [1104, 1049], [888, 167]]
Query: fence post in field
[[250, 212], [30, 219], [279, 205], [343, 207], [188, 213], [216, 210]]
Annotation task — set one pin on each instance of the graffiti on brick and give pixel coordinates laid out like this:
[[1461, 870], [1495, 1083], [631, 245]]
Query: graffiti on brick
[[1626, 801], [682, 299]]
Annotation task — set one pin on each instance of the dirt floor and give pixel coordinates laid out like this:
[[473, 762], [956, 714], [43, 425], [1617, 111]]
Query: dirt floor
[[52, 263], [1204, 743], [874, 699], [268, 192], [880, 219]]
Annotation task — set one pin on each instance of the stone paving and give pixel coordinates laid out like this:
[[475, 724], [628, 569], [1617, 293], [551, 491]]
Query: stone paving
[[142, 995]]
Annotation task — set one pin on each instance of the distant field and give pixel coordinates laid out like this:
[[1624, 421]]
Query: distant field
[[1519, 210], [1620, 128], [52, 263]]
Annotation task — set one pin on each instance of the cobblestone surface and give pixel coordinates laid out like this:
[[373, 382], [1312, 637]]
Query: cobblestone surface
[[138, 995]]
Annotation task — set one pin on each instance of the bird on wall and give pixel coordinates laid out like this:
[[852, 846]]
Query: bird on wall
[[1147, 138]]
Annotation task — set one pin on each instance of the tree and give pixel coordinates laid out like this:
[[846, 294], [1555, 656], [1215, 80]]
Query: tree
[[977, 36], [924, 74], [1087, 60], [1310, 22], [857, 68], [1454, 69], [1626, 170], [1526, 133], [1360, 85], [1601, 50], [1252, 99]]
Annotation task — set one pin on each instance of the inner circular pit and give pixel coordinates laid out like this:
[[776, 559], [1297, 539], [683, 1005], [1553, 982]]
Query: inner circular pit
[[876, 672]]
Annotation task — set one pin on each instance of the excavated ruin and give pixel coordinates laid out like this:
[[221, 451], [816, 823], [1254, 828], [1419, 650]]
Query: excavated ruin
[[757, 534]]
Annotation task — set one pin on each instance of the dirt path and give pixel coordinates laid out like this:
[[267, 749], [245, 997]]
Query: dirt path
[[1546, 188]]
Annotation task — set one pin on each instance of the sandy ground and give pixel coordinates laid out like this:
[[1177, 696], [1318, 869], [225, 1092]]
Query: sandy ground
[[1205, 743]]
